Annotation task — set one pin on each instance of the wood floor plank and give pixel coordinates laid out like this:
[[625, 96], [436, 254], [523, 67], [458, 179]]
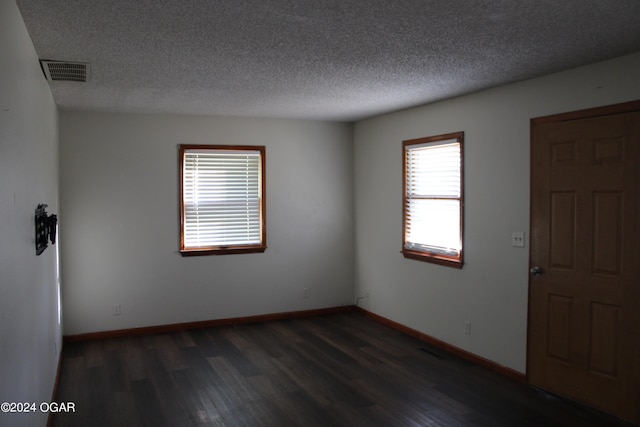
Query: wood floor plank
[[337, 370]]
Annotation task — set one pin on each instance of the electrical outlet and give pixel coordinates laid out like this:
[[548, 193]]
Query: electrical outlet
[[467, 328], [117, 309], [363, 300], [306, 292]]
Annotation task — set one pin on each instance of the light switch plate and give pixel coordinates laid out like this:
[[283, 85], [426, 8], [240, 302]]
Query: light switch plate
[[517, 239]]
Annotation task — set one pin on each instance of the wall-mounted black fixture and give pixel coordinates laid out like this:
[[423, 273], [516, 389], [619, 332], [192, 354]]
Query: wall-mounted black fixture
[[45, 228]]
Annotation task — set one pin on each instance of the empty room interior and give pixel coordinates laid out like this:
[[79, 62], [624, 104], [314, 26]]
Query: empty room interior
[[530, 289]]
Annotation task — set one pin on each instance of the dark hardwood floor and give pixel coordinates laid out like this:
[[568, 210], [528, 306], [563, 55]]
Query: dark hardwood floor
[[336, 370]]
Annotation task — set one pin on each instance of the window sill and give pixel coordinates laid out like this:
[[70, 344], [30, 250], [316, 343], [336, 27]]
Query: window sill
[[222, 251], [433, 258]]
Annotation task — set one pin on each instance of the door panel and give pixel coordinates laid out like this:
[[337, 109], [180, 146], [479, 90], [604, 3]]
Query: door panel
[[605, 339], [607, 233], [563, 227], [559, 312], [584, 321]]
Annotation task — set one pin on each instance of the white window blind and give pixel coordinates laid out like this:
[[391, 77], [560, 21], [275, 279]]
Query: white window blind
[[221, 198], [433, 197]]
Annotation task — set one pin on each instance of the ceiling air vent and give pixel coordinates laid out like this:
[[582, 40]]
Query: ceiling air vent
[[65, 71]]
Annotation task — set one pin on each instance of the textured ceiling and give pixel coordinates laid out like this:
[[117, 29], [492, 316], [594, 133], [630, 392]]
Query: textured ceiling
[[315, 59]]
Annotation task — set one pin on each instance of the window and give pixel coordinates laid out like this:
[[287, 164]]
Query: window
[[222, 205], [432, 205]]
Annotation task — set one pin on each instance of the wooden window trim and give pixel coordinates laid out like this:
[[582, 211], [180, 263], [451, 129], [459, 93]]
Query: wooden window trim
[[223, 250], [426, 256]]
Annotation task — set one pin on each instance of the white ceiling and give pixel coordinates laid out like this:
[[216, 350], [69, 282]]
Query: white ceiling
[[338, 60]]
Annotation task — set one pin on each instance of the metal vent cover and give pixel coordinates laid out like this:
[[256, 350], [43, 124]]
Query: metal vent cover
[[65, 71]]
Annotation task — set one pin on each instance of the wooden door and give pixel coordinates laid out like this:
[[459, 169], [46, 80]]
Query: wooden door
[[584, 302]]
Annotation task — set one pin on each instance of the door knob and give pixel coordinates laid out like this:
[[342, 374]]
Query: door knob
[[536, 271]]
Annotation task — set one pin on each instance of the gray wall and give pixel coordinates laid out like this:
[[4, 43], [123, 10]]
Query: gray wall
[[119, 203], [491, 290], [30, 330]]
